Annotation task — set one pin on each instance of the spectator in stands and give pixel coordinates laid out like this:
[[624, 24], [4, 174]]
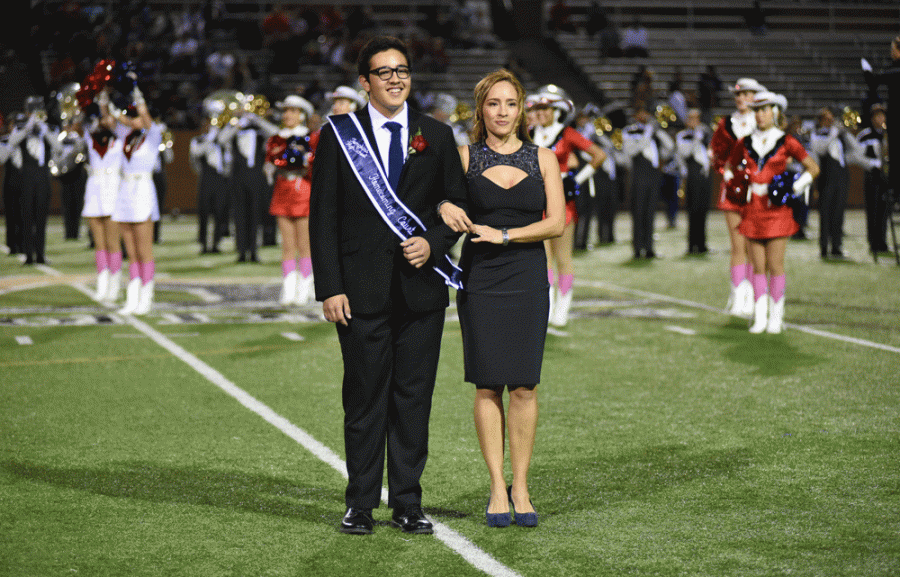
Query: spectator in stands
[[708, 87], [561, 17], [635, 42], [677, 99], [183, 55], [756, 19], [642, 89], [220, 66]]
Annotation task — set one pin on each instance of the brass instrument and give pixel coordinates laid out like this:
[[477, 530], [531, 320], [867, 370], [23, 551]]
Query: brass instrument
[[462, 113], [167, 141], [665, 115], [66, 157], [602, 125], [851, 118], [256, 104], [69, 109], [223, 107]]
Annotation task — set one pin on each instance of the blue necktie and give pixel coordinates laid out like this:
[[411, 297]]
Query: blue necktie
[[395, 154]]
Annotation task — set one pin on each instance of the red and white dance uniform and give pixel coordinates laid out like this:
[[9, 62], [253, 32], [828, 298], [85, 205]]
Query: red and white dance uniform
[[137, 201], [290, 195], [563, 141], [766, 154], [729, 132], [104, 168]]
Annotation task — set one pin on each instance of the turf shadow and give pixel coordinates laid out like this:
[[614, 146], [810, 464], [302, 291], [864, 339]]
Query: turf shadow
[[155, 483], [637, 475], [769, 355]]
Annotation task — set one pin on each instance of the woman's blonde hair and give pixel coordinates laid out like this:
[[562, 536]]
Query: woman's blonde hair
[[479, 132]]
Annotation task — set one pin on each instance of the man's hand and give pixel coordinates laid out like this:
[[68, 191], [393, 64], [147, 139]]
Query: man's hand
[[416, 250], [455, 217], [337, 309]]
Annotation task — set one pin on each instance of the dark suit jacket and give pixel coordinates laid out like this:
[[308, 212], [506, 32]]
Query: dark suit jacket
[[353, 250]]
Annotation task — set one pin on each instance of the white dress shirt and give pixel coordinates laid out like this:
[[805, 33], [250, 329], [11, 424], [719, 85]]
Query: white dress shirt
[[383, 135]]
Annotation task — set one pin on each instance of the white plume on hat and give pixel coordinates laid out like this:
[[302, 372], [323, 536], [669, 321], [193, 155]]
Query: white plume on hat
[[295, 101], [750, 84], [348, 93], [765, 97]]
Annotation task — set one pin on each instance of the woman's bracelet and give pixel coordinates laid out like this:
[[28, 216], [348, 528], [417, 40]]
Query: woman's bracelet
[[505, 236]]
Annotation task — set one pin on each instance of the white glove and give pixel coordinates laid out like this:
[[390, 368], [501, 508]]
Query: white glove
[[585, 173], [802, 184], [865, 65], [727, 175], [137, 95]]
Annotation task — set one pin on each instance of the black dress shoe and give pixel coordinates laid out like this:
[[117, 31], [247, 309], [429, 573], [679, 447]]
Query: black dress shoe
[[412, 520], [357, 522], [242, 258]]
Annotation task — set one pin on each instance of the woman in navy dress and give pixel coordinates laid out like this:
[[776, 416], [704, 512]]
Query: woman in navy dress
[[505, 303]]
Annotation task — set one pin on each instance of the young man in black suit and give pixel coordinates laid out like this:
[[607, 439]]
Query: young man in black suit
[[383, 293]]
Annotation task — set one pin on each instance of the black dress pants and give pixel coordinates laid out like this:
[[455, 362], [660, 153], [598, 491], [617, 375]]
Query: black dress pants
[[698, 192], [833, 193], [35, 204], [390, 365], [645, 182]]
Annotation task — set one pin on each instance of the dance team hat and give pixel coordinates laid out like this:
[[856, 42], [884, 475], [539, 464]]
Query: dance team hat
[[765, 97], [294, 101], [348, 93], [747, 84]]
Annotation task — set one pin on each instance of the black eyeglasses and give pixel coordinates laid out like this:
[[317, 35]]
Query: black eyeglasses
[[385, 72]]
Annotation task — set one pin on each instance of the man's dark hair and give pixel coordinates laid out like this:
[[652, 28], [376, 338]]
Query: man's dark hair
[[376, 45]]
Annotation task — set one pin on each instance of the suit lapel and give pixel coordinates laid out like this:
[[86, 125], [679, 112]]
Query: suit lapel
[[366, 121], [412, 122]]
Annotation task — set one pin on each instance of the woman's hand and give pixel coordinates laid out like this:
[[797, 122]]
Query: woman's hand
[[455, 217], [486, 233]]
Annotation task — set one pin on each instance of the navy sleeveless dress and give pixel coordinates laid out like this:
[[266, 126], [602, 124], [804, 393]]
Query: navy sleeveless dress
[[504, 308]]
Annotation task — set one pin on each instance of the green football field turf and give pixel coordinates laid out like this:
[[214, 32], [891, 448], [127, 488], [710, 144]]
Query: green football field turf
[[205, 438]]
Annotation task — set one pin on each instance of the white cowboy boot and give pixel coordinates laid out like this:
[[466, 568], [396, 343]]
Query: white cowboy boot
[[132, 297], [102, 285], [747, 310], [288, 288], [145, 302], [305, 290], [776, 316], [760, 315], [552, 302], [115, 286], [561, 312]]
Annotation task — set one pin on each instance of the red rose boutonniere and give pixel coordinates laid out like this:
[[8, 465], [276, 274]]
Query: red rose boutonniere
[[417, 143]]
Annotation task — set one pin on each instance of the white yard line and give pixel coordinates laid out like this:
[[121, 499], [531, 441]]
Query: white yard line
[[466, 549], [696, 305]]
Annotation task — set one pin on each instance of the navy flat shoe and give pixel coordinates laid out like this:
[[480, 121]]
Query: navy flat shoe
[[522, 519]]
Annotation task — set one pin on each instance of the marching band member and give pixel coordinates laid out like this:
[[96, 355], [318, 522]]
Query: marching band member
[[552, 107], [287, 163], [873, 141], [730, 130], [245, 142], [756, 170], [647, 146], [833, 146], [211, 163], [693, 161], [32, 145], [12, 185]]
